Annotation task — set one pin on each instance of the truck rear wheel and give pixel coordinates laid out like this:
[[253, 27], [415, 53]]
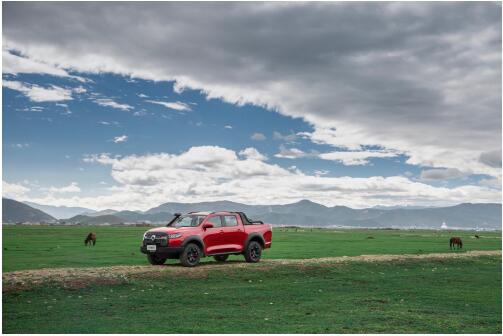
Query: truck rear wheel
[[221, 258], [191, 255], [253, 252], [155, 260]]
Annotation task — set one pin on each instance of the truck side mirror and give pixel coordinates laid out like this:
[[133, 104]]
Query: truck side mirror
[[207, 226]]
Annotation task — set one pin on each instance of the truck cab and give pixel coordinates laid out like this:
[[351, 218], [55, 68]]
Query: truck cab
[[195, 235]]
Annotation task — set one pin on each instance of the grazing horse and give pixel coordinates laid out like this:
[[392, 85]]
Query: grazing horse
[[91, 238], [455, 242], [476, 236]]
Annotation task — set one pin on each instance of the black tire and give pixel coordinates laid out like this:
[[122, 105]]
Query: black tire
[[155, 260], [221, 258], [191, 255], [253, 252]]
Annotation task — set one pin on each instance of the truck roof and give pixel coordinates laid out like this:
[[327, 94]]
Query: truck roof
[[242, 215], [206, 213]]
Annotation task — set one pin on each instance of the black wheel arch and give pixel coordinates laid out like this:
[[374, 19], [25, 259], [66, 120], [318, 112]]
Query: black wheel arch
[[194, 240], [255, 237]]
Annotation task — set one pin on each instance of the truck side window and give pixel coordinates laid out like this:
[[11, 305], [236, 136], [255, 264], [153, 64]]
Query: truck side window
[[216, 221], [231, 221]]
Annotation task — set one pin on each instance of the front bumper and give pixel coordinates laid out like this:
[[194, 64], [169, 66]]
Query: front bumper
[[164, 251]]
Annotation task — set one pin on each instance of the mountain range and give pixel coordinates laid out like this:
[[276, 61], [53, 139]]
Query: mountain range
[[17, 212], [302, 213], [59, 211]]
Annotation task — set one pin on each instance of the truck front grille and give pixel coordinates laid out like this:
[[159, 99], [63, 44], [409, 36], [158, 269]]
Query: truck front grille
[[157, 238]]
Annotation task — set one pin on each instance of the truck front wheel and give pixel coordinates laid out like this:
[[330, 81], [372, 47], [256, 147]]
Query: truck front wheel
[[253, 252], [191, 255], [155, 260]]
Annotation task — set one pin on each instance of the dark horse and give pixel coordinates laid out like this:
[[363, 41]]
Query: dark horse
[[91, 238], [455, 242]]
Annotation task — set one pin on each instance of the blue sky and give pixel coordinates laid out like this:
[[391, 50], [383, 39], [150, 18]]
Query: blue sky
[[57, 137], [77, 127]]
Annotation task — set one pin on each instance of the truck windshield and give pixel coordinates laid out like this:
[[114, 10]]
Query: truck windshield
[[186, 221]]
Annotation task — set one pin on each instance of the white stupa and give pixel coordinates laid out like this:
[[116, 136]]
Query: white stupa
[[443, 226]]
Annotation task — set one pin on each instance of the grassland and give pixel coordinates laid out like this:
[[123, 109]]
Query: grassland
[[428, 296], [31, 247], [461, 295]]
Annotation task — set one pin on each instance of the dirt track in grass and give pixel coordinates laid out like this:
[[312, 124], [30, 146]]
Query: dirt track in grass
[[83, 277]]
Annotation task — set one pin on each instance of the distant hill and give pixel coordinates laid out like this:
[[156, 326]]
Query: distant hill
[[17, 212], [93, 213], [59, 211], [89, 220], [134, 216], [310, 214]]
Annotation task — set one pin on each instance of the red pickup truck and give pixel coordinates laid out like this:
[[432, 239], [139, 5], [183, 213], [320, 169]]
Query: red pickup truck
[[202, 234]]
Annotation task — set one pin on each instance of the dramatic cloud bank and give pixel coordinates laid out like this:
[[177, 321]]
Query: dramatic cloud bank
[[374, 80], [207, 173], [422, 79]]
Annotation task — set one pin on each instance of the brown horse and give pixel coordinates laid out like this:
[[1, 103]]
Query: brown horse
[[91, 238], [455, 242]]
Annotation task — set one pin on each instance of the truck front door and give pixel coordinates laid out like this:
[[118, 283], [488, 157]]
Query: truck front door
[[213, 237]]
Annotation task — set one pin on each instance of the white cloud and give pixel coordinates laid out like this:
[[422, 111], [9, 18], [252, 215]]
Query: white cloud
[[258, 137], [228, 126], [355, 158], [321, 172], [179, 106], [39, 94], [491, 158], [295, 153], [40, 108], [290, 153], [80, 89], [288, 137], [13, 190], [253, 154], [208, 173], [441, 174], [122, 138], [491, 182], [20, 145], [109, 123], [113, 104], [142, 95], [71, 188]]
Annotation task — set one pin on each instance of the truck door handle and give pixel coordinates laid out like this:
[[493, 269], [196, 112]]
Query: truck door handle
[[221, 231]]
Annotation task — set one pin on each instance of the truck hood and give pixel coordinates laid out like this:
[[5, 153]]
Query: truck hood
[[168, 229]]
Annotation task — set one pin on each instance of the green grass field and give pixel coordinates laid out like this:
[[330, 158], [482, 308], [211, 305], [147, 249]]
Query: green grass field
[[410, 296], [30, 247], [428, 296]]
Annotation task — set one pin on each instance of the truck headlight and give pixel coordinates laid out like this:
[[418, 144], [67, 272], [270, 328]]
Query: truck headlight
[[145, 235], [174, 235]]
